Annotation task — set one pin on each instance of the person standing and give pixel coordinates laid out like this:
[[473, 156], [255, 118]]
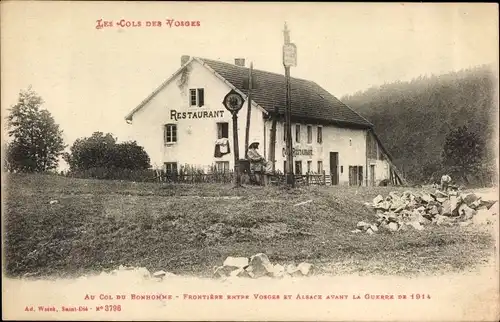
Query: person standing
[[445, 182]]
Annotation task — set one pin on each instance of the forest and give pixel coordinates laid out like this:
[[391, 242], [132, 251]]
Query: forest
[[413, 119]]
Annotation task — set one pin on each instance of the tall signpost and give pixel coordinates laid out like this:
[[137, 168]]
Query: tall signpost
[[233, 102], [289, 59], [249, 111]]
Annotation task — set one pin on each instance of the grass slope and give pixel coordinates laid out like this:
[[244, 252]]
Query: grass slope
[[98, 225]]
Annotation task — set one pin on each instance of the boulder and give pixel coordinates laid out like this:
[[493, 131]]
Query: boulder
[[469, 199], [466, 212], [260, 266], [305, 268], [238, 262], [446, 210], [453, 204], [392, 226], [278, 270], [426, 198], [293, 271]]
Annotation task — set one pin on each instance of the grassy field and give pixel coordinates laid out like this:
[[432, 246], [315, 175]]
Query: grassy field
[[99, 225]]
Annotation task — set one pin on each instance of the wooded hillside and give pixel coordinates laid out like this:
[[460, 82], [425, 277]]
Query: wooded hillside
[[413, 118]]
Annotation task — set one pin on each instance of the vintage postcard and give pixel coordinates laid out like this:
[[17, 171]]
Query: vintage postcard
[[249, 161]]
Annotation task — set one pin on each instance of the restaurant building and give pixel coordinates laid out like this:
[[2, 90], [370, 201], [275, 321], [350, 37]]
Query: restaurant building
[[184, 123]]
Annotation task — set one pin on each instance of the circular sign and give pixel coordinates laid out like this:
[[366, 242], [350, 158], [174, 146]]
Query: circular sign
[[233, 102]]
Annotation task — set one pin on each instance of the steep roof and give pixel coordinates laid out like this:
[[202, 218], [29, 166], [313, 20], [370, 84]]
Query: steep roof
[[309, 100]]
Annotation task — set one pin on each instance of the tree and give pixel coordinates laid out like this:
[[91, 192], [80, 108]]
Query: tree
[[101, 151], [36, 139], [463, 152]]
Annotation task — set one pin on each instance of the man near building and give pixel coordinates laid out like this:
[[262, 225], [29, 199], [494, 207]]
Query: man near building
[[258, 165], [445, 182]]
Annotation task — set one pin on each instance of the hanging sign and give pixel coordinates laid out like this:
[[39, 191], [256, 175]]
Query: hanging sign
[[233, 101], [290, 55]]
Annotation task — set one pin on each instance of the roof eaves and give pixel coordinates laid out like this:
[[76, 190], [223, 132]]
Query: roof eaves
[[128, 117], [201, 61]]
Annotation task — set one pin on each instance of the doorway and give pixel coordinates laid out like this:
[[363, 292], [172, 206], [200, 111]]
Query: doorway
[[334, 168], [372, 175], [355, 175]]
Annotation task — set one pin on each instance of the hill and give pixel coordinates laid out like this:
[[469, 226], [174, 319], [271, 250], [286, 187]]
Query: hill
[[413, 118]]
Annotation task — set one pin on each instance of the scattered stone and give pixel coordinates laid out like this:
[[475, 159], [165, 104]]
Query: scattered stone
[[416, 225], [53, 202], [363, 225], [427, 198], [240, 272], [464, 223], [369, 231], [356, 231], [392, 226], [374, 227], [159, 274], [278, 270]]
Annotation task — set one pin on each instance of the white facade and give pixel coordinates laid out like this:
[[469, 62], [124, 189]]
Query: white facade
[[342, 150]]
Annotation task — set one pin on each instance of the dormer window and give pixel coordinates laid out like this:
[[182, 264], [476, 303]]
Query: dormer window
[[196, 97]]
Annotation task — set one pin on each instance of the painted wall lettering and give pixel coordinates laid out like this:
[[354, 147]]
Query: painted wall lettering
[[174, 115], [297, 152]]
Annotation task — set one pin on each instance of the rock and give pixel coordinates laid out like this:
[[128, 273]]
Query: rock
[[369, 231], [356, 231], [427, 197], [434, 211], [238, 262], [440, 194], [240, 272], [476, 204], [260, 265], [305, 268], [416, 225], [453, 204], [421, 208], [52, 202], [466, 212], [374, 227], [363, 225], [159, 274], [441, 200], [446, 210], [494, 209], [465, 223], [443, 220], [223, 271], [278, 270], [469, 199], [378, 199], [293, 271], [392, 226]]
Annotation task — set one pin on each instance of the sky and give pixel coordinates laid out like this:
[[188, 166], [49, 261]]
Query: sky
[[91, 78]]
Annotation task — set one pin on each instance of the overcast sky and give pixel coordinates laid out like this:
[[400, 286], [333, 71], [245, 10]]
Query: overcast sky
[[91, 78]]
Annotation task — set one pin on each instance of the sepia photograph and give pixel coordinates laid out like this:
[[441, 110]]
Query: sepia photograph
[[250, 161]]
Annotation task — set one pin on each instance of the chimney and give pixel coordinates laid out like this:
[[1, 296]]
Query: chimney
[[184, 59], [239, 62]]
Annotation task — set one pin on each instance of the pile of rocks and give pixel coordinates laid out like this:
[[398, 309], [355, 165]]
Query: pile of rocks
[[259, 266], [416, 210]]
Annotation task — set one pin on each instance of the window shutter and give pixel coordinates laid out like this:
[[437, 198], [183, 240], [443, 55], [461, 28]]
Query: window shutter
[[201, 97]]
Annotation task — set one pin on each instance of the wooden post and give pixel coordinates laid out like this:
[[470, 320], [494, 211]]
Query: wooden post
[[249, 111], [289, 151], [237, 181], [324, 177], [272, 149]]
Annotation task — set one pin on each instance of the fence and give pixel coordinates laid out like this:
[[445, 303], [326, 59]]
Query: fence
[[228, 177]]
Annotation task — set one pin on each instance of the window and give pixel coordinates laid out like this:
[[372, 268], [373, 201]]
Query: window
[[222, 166], [284, 132], [297, 133], [320, 166], [196, 97], [320, 134], [309, 134], [170, 133], [298, 167], [309, 163], [285, 170], [170, 167], [341, 169], [222, 130]]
